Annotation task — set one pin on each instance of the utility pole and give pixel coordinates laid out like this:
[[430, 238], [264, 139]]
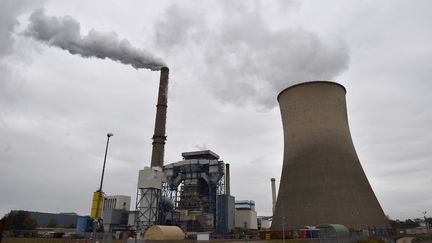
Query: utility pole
[[96, 221]]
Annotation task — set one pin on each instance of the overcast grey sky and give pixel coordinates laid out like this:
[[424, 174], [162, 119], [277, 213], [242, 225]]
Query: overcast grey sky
[[228, 60]]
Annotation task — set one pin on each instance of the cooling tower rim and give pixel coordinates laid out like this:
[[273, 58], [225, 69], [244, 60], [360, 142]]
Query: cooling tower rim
[[310, 82]]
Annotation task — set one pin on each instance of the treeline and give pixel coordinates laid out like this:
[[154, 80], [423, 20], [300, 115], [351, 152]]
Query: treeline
[[19, 220], [409, 223], [23, 220]]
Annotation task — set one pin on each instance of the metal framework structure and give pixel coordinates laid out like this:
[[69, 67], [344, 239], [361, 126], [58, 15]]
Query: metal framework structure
[[193, 185], [148, 199], [147, 211], [168, 215]]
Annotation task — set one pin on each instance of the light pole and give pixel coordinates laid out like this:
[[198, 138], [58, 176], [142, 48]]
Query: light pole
[[95, 222], [426, 222]]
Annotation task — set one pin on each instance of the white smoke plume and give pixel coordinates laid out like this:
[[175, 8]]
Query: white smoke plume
[[64, 32], [245, 59], [11, 81]]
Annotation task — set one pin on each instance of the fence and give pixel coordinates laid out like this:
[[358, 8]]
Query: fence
[[47, 240]]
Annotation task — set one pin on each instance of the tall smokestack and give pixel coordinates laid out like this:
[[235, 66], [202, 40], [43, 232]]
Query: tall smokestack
[[227, 180], [322, 180], [159, 138], [273, 187]]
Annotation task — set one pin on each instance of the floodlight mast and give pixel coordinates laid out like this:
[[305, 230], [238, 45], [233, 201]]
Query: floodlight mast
[[96, 220]]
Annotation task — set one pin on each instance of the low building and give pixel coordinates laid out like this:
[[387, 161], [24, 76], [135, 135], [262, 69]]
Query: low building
[[264, 222], [115, 213], [245, 215], [417, 230], [55, 220], [117, 202]]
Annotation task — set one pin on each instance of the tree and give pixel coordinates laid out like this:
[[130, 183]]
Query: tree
[[19, 220], [52, 223], [395, 224]]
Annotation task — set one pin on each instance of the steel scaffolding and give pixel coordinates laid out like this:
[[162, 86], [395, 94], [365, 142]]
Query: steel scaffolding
[[193, 186]]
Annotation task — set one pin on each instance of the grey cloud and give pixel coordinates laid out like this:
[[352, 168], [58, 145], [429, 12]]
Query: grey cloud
[[10, 83], [245, 60], [60, 107], [176, 25], [64, 32], [7, 24], [9, 11]]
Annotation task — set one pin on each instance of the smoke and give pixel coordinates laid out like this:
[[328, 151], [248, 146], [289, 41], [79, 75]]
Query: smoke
[[247, 57], [11, 82], [64, 32]]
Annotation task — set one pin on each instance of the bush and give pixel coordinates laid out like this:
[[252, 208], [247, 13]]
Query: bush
[[19, 220]]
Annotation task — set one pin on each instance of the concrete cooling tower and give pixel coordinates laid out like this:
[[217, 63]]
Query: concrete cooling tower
[[322, 179]]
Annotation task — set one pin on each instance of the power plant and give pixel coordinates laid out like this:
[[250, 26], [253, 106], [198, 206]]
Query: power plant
[[190, 193], [323, 191], [322, 180]]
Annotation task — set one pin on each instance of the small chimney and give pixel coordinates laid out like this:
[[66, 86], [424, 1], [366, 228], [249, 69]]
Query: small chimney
[[159, 138], [273, 187], [227, 180]]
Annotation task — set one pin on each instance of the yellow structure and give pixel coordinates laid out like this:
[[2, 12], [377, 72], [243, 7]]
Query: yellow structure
[[94, 205], [164, 232]]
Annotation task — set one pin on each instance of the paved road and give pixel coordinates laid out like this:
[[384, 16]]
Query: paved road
[[405, 240]]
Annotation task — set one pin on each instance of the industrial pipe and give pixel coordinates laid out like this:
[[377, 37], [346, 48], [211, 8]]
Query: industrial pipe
[[159, 138], [273, 187], [227, 180]]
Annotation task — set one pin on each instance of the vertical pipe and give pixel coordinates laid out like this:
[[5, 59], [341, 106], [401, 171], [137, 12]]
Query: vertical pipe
[[159, 138], [273, 187], [227, 180]]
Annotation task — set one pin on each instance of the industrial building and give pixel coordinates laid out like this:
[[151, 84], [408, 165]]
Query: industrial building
[[264, 222], [60, 220], [322, 180], [245, 215], [117, 202], [192, 193], [116, 213], [194, 185]]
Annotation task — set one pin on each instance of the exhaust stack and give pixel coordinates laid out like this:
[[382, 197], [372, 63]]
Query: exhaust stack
[[227, 180], [273, 187], [159, 138]]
